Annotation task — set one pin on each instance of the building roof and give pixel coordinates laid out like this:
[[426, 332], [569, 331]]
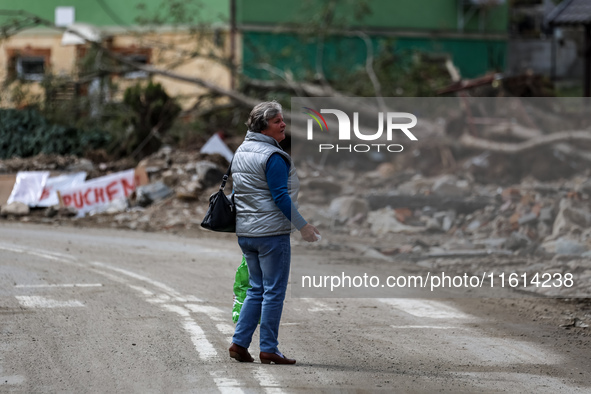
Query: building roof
[[571, 12]]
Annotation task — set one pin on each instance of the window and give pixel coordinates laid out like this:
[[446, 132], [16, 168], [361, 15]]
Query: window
[[30, 68], [138, 58], [137, 55], [28, 64]]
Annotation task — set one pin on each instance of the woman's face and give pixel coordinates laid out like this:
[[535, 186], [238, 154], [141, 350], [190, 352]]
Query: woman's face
[[276, 128]]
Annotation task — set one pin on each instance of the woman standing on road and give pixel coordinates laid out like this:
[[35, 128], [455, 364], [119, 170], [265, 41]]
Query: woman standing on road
[[266, 187]]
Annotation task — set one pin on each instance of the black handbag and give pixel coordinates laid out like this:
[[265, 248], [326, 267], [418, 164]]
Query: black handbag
[[221, 214]]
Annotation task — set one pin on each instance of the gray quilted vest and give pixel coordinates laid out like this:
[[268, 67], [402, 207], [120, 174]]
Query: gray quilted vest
[[257, 215]]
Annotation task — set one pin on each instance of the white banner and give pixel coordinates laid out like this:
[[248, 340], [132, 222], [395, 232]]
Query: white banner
[[97, 194], [58, 183], [28, 187]]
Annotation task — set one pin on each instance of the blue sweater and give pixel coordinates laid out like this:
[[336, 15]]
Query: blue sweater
[[277, 173]]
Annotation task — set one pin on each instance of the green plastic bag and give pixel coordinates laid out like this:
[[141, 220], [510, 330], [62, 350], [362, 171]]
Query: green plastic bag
[[240, 286]]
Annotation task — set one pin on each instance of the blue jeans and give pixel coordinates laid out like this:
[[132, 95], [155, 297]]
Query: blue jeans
[[268, 260]]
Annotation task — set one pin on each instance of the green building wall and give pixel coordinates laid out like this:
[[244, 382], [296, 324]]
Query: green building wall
[[117, 12], [284, 51], [432, 15], [431, 26]]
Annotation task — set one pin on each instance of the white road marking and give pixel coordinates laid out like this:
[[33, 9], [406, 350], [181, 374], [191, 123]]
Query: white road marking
[[433, 327], [159, 299], [204, 348], [318, 306], [112, 277], [225, 385], [60, 285], [273, 390], [170, 291], [145, 292], [425, 308], [60, 255], [11, 249], [12, 380], [225, 328], [267, 380], [43, 255], [213, 312], [42, 302]]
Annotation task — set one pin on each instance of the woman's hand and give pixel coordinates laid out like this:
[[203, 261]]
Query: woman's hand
[[309, 233]]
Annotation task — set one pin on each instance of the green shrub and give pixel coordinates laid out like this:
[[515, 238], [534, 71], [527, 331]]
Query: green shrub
[[26, 133], [151, 113]]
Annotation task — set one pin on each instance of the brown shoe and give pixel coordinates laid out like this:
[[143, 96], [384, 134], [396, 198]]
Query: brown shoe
[[240, 353], [275, 358]]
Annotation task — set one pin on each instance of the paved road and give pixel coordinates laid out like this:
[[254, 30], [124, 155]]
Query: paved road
[[94, 310]]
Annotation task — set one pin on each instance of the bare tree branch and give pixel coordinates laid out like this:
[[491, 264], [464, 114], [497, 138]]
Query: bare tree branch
[[370, 71], [512, 130], [469, 141], [234, 95]]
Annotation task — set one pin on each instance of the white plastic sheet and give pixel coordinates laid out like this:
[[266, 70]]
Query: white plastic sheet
[[80, 33], [28, 187], [216, 145], [58, 183]]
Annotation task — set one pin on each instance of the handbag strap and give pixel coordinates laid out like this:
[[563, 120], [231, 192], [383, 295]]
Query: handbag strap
[[226, 175]]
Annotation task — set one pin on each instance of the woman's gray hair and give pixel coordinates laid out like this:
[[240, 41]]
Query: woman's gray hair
[[260, 115]]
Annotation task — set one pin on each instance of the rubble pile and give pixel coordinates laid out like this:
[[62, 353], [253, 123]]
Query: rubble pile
[[180, 184], [62, 164], [446, 221], [520, 219], [452, 223], [175, 198]]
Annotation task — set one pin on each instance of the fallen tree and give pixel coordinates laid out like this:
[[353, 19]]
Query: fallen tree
[[472, 142]]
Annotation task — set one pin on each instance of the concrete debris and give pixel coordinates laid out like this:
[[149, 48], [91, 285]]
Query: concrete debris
[[116, 206], [57, 211], [320, 191], [417, 185], [81, 165], [383, 221], [368, 252], [385, 171], [208, 174], [148, 194], [348, 207], [571, 216], [463, 205], [575, 323], [451, 186], [517, 241], [432, 224], [585, 187], [468, 253], [565, 246], [15, 208], [447, 219]]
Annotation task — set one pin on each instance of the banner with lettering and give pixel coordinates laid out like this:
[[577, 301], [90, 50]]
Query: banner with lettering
[[97, 194], [61, 182]]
